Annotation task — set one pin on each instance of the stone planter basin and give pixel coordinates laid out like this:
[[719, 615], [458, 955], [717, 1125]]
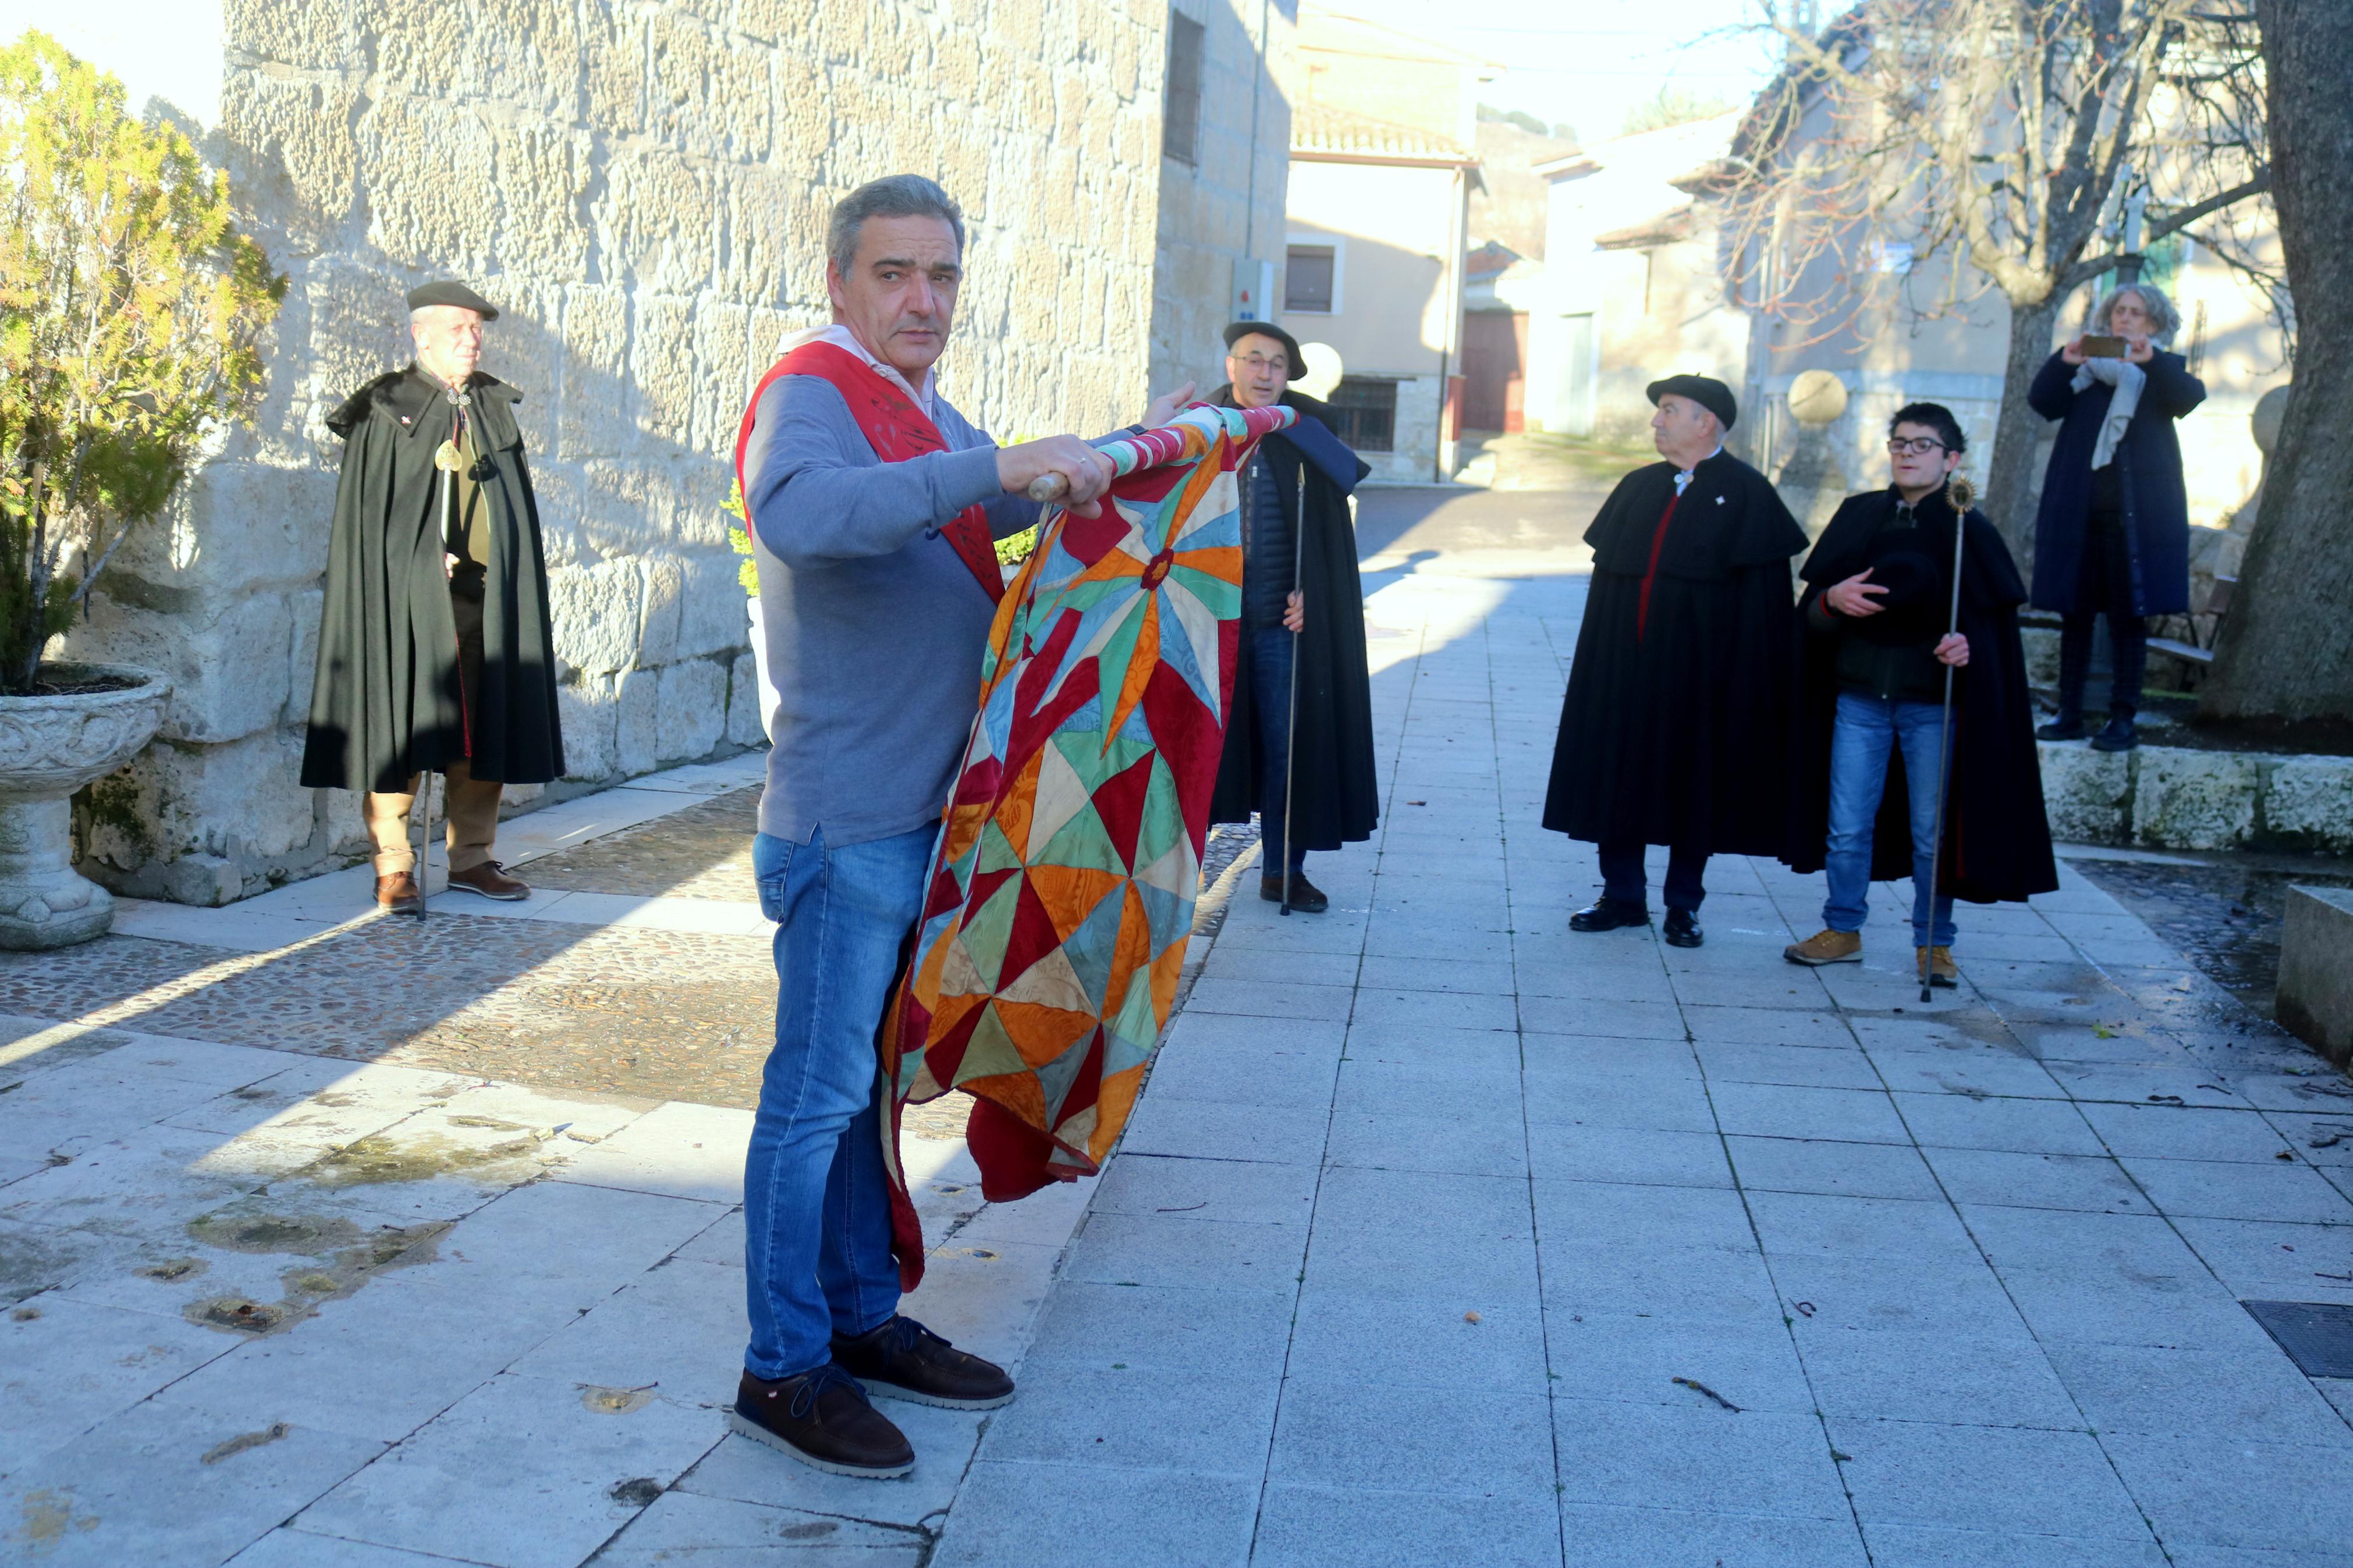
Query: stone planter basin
[[50, 747]]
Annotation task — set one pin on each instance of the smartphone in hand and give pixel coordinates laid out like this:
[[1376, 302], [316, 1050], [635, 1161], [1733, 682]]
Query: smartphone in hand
[[2103, 348]]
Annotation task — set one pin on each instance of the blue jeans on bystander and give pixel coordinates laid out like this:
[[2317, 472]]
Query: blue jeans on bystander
[[817, 1201], [1868, 729]]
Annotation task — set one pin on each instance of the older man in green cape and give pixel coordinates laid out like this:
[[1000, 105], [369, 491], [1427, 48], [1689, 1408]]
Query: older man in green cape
[[435, 650]]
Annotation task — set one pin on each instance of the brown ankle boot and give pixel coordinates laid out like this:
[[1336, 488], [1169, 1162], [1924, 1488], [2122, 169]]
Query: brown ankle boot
[[491, 880], [1935, 964], [821, 1418], [1826, 947]]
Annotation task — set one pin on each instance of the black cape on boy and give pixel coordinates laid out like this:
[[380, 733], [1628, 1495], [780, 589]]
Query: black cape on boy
[[1674, 729], [1335, 791], [388, 700], [1997, 843]]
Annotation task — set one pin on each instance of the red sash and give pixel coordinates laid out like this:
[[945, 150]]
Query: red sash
[[897, 430]]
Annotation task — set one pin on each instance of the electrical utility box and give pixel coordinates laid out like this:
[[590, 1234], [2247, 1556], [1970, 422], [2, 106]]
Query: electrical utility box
[[1253, 298]]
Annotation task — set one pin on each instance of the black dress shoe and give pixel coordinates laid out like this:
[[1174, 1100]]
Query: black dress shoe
[[1607, 913], [1682, 929], [2119, 736], [2062, 728], [1306, 896]]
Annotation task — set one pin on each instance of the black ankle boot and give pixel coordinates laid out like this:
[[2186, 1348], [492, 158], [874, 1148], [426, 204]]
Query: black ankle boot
[[2063, 726]]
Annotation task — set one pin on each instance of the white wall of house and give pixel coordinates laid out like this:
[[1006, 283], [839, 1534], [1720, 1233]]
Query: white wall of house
[[1397, 289], [1606, 323]]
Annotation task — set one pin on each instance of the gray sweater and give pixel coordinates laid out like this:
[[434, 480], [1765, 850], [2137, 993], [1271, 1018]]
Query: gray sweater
[[875, 626]]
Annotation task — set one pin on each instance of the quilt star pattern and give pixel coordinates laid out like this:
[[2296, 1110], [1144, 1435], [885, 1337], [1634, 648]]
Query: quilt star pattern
[[1061, 889]]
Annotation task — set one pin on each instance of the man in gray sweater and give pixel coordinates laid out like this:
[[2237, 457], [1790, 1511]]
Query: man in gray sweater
[[875, 506]]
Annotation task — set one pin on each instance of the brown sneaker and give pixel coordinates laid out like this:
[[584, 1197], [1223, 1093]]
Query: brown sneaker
[[491, 880], [397, 893], [1826, 947], [1936, 964], [904, 1360], [822, 1418]]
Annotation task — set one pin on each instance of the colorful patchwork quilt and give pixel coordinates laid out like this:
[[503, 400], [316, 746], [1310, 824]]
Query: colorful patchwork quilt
[[1061, 889]]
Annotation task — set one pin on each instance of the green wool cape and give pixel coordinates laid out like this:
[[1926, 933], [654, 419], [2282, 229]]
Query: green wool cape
[[388, 700]]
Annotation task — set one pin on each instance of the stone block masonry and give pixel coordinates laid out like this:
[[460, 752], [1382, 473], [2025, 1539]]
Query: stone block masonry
[[2168, 797], [642, 188]]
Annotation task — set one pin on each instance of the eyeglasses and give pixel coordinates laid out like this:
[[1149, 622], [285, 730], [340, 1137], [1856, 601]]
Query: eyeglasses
[[1260, 363], [1918, 446]]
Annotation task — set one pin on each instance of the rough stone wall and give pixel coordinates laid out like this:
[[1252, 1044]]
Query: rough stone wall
[[642, 187]]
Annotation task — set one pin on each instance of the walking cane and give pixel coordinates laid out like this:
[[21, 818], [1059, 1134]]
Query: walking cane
[[1961, 495], [1291, 728], [446, 461]]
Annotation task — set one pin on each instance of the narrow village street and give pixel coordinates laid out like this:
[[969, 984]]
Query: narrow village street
[[1441, 1236]]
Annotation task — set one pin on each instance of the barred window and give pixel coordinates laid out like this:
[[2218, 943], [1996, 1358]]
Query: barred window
[[1364, 413]]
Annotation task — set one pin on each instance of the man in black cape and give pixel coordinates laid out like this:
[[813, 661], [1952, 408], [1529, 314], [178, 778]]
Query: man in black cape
[[1870, 722], [1677, 714], [435, 650], [1300, 592]]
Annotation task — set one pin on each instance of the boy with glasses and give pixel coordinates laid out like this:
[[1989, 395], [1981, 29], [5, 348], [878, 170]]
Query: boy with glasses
[[1872, 729]]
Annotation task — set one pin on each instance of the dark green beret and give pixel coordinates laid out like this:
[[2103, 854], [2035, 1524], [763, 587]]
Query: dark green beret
[[450, 292]]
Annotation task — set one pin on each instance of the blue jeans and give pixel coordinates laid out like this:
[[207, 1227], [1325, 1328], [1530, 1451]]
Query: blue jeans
[[1868, 729], [816, 1200], [1270, 699]]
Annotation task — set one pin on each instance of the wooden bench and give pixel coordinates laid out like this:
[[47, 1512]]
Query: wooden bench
[[2217, 605]]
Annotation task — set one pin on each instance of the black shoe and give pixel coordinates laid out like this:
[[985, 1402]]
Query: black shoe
[[821, 1418], [2067, 727], [1607, 913], [1306, 896], [1682, 929], [2119, 736], [904, 1360]]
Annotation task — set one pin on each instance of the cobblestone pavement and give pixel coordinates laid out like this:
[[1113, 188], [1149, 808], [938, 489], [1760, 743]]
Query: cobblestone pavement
[[1441, 1236], [2224, 912]]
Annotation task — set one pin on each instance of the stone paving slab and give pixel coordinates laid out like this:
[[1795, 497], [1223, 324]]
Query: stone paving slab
[[1501, 1222]]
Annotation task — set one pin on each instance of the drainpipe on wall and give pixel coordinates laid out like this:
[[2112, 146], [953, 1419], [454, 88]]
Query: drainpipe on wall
[[1449, 408]]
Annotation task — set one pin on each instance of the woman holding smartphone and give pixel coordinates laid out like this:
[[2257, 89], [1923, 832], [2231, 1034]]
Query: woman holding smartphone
[[2112, 534]]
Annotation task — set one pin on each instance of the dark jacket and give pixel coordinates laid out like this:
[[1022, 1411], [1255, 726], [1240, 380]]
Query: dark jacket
[[1675, 727], [2149, 474], [1335, 794], [1997, 843], [388, 700]]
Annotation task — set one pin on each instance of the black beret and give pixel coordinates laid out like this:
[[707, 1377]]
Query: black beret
[[449, 291], [1705, 390], [1237, 330]]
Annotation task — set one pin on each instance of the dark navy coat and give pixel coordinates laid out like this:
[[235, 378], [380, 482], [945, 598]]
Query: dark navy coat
[[2148, 470]]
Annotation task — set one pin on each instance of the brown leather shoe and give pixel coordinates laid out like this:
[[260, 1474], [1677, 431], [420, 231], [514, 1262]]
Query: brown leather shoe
[[904, 1360], [821, 1418], [491, 880], [1826, 947], [1936, 964], [397, 893]]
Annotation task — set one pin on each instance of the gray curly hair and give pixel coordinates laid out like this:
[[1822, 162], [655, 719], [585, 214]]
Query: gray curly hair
[[894, 195], [2164, 320]]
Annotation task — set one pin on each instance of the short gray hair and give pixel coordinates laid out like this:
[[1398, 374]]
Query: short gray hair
[[894, 195], [2163, 318]]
